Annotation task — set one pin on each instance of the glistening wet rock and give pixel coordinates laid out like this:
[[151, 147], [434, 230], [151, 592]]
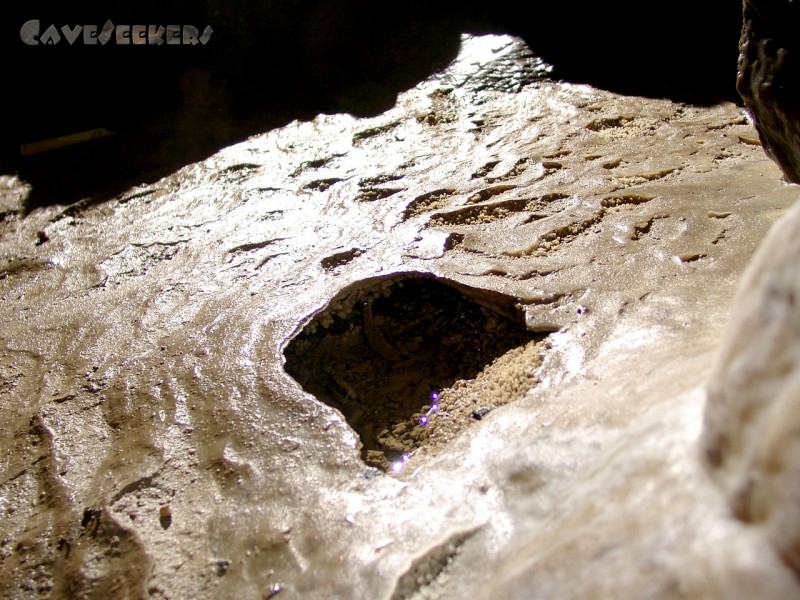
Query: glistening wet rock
[[266, 64], [143, 356]]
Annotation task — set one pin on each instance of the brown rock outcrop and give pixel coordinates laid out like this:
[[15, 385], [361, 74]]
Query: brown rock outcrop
[[769, 78]]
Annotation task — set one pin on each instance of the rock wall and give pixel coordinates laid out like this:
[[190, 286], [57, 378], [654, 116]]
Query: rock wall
[[221, 382], [769, 78], [268, 63], [208, 379], [752, 437]]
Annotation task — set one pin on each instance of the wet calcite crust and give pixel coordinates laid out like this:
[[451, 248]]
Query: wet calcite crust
[[752, 417], [154, 444]]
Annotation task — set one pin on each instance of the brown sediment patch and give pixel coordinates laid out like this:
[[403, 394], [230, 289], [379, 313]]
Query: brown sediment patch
[[385, 351]]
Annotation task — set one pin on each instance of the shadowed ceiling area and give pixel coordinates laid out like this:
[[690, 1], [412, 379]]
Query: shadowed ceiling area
[[267, 63]]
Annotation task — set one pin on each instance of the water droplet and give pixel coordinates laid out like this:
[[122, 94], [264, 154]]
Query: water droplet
[[398, 466]]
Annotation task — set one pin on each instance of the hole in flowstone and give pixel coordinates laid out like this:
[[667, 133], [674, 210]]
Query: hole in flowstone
[[396, 354]]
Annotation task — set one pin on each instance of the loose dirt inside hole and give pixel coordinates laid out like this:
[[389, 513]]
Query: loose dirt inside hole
[[385, 352]]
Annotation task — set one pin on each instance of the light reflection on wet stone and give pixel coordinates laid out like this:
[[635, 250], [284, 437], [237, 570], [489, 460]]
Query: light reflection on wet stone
[[143, 365]]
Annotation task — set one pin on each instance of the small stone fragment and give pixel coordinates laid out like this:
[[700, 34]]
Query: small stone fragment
[[480, 413]]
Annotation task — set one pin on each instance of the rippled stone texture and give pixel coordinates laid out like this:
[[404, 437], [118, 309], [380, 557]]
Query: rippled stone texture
[[155, 445], [268, 63]]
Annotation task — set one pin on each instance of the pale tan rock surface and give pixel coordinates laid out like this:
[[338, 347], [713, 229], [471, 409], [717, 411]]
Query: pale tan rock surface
[[154, 445], [753, 416]]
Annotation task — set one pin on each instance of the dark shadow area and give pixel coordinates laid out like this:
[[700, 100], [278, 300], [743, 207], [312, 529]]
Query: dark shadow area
[[657, 50], [379, 353], [267, 63], [263, 66]]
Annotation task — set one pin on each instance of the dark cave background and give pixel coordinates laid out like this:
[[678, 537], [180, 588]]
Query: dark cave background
[[269, 62]]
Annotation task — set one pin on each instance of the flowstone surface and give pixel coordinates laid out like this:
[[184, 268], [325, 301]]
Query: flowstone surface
[[183, 367]]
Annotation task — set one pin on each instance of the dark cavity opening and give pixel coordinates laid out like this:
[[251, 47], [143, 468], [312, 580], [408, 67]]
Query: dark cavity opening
[[383, 350]]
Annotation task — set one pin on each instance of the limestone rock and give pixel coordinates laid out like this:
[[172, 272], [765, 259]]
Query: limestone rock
[[752, 420], [149, 345], [752, 437], [769, 78]]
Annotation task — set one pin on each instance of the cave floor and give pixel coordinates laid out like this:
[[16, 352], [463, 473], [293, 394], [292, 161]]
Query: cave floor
[[222, 383]]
